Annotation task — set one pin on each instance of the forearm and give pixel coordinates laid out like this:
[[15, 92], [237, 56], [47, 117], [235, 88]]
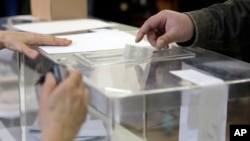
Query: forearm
[[226, 22]]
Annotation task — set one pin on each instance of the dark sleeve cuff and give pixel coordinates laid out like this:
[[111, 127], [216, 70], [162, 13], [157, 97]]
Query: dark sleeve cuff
[[202, 24], [188, 43]]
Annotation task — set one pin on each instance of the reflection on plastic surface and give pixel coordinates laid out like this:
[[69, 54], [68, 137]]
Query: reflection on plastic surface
[[90, 129], [5, 134], [109, 57]]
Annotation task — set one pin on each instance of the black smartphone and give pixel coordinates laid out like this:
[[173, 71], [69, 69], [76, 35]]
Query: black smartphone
[[59, 71]]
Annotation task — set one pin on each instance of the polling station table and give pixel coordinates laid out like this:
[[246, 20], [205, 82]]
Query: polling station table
[[175, 94]]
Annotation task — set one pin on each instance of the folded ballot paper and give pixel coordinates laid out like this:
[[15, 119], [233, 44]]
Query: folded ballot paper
[[132, 52], [90, 129]]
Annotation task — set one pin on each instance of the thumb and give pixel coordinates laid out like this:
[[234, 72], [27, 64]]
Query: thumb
[[165, 39], [49, 84], [47, 89]]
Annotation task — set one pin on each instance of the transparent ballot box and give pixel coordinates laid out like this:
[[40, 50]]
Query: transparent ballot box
[[9, 97], [176, 94]]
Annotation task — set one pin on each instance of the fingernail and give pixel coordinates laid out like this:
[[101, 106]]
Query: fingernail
[[136, 39], [161, 43], [34, 54], [66, 41]]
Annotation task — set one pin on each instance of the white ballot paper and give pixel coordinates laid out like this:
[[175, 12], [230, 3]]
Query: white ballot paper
[[96, 41], [63, 26], [204, 110], [137, 53]]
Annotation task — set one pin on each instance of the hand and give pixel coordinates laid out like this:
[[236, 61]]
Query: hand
[[63, 108], [22, 42], [166, 27]]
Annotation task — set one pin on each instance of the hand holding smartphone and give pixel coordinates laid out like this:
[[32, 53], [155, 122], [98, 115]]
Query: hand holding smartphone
[[59, 71]]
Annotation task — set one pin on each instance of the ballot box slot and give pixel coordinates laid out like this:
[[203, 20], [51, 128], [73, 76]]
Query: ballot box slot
[[116, 56]]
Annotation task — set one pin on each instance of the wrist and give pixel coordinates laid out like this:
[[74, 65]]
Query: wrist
[[190, 35], [189, 42], [56, 133]]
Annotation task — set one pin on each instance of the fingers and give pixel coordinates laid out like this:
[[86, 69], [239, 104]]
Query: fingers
[[149, 25], [49, 84], [152, 37], [40, 39], [153, 28], [70, 86], [20, 41], [140, 34], [72, 90], [21, 47], [47, 89], [74, 78], [165, 39], [142, 31]]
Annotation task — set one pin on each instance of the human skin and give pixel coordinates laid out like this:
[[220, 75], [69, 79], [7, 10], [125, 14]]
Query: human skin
[[166, 27], [24, 41], [63, 107]]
